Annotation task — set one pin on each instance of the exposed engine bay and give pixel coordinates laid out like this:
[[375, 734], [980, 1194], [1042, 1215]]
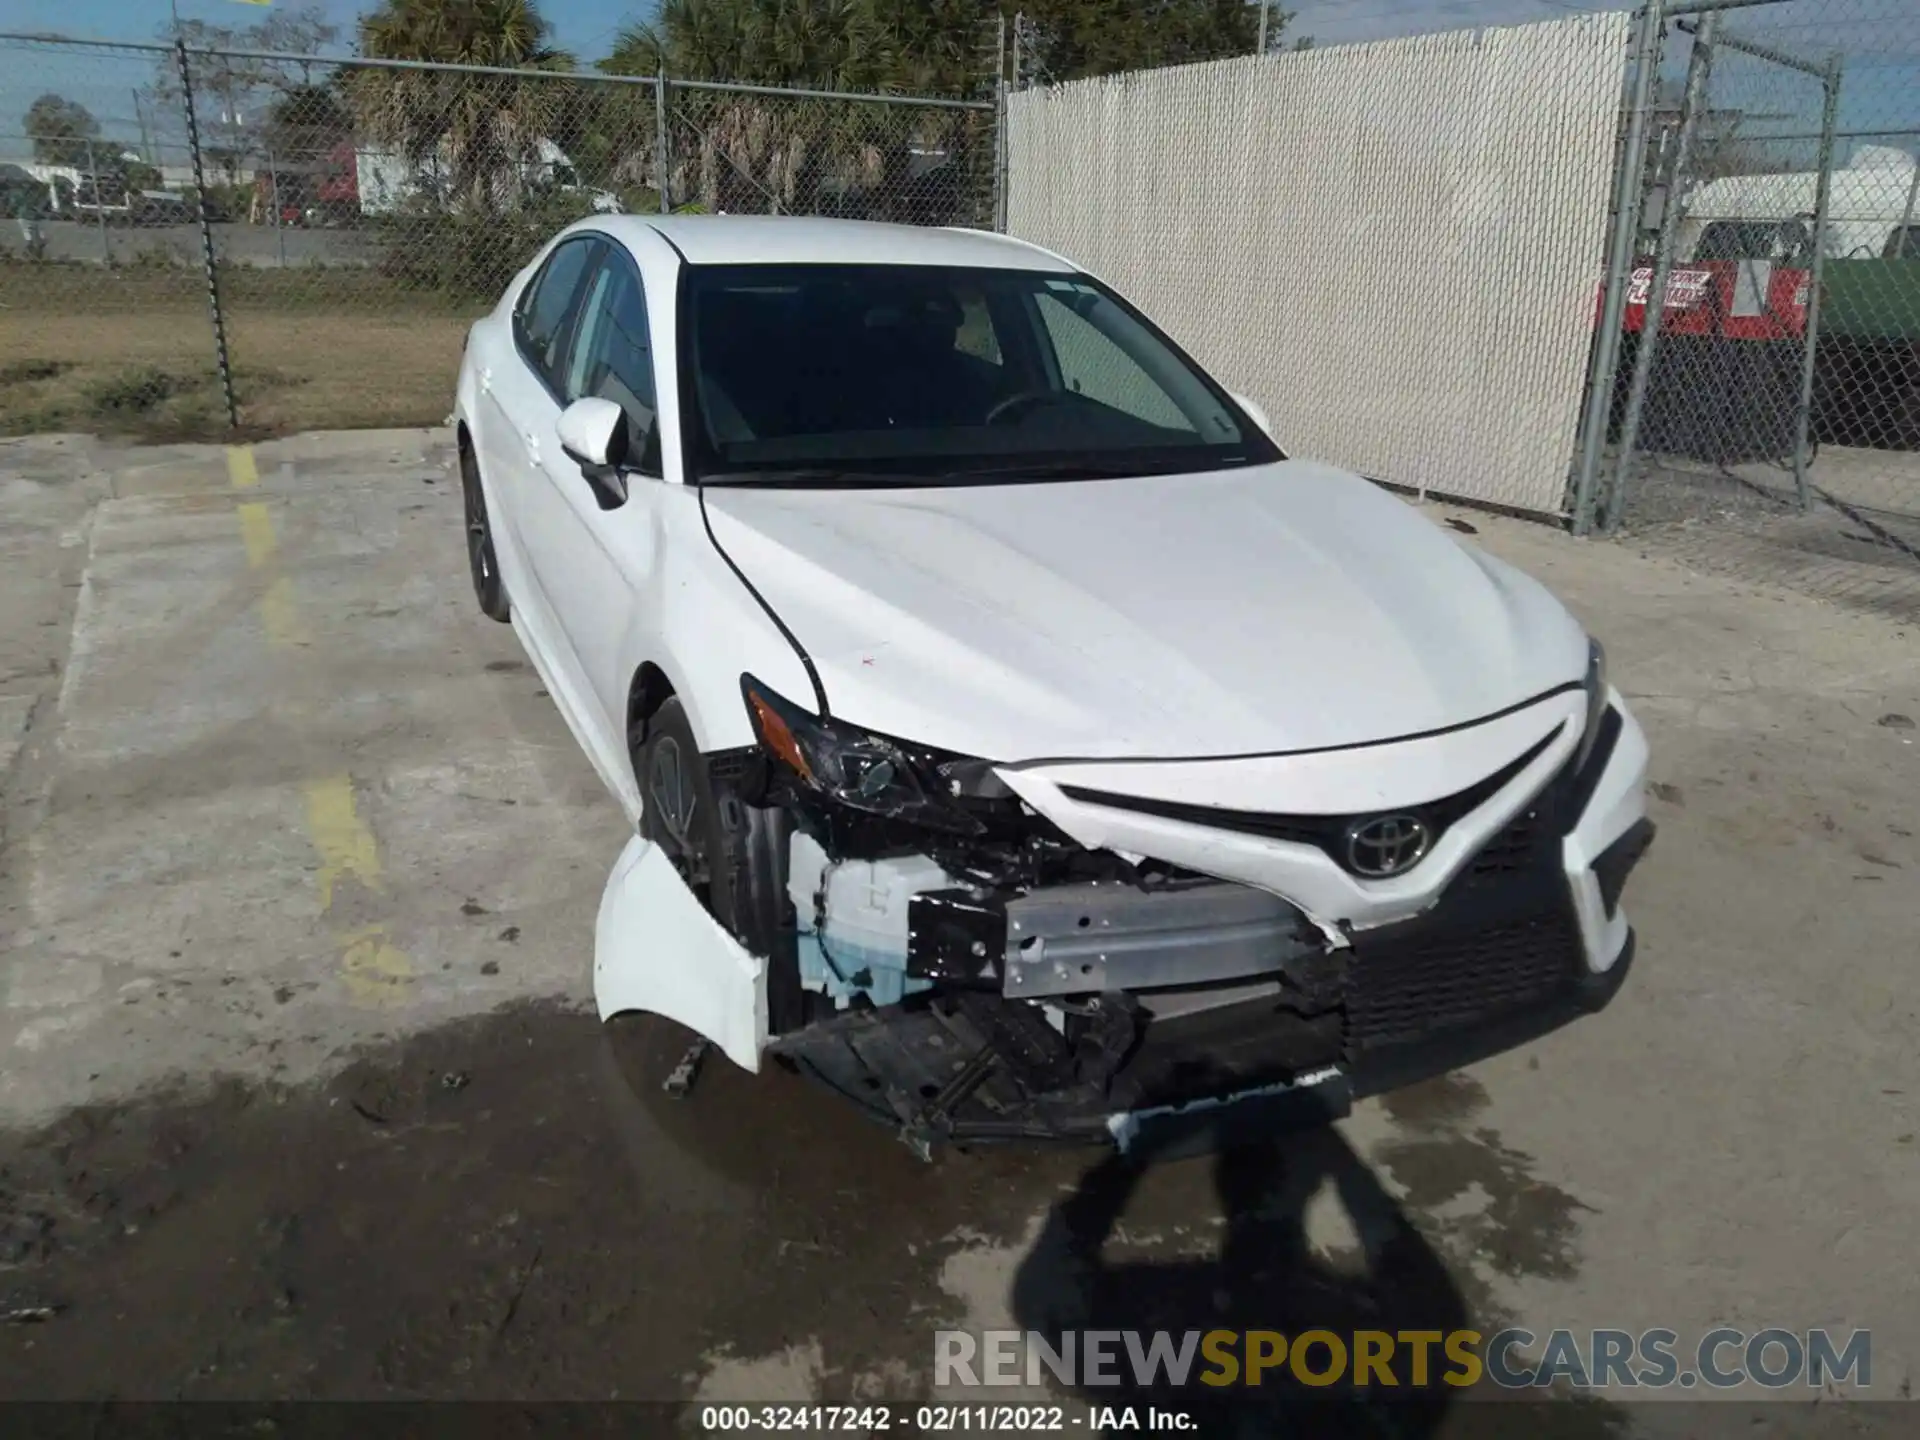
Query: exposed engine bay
[[948, 958], [1012, 1001]]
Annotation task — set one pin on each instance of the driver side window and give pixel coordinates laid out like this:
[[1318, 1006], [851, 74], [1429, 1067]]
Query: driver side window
[[612, 356]]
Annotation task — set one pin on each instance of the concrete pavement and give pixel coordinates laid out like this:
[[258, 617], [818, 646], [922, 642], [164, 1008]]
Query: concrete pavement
[[298, 883]]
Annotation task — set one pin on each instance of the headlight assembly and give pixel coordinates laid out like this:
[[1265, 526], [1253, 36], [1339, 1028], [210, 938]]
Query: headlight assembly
[[848, 765], [1596, 700]]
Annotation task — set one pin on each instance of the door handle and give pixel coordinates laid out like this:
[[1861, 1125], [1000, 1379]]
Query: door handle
[[486, 379], [533, 444]]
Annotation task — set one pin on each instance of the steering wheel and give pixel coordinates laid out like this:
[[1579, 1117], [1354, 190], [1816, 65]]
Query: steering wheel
[[1019, 403]]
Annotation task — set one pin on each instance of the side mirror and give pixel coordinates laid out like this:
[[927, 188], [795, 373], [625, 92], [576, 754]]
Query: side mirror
[[1254, 412], [593, 433]]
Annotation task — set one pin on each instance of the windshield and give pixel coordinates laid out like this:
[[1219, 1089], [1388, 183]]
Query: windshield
[[876, 374], [1753, 240]]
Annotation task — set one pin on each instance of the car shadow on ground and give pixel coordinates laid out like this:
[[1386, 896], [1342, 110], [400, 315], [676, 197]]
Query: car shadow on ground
[[1267, 1274], [510, 1207]]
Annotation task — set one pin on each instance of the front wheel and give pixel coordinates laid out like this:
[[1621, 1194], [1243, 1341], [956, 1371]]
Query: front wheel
[[483, 568], [678, 810]]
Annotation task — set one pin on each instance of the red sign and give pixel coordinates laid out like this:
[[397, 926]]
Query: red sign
[[1685, 288], [1736, 299]]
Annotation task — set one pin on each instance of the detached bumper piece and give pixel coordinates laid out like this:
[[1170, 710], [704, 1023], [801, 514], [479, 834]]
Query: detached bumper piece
[[976, 1067]]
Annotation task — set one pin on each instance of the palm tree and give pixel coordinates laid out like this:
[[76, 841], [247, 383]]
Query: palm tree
[[478, 133], [818, 44], [758, 152], [940, 47]]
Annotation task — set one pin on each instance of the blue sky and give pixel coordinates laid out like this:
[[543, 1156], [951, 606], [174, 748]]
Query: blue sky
[[587, 27], [105, 81]]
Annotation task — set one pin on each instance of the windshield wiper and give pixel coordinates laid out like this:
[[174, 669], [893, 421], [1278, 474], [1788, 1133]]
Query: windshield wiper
[[814, 478], [834, 478], [1084, 469]]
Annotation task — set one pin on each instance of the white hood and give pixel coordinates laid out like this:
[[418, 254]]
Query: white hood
[[1288, 607]]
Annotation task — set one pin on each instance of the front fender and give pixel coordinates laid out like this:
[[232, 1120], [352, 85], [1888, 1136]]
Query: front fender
[[656, 949], [704, 628], [466, 385]]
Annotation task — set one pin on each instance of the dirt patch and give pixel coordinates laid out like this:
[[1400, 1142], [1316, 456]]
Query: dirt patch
[[25, 372], [132, 352], [348, 370]]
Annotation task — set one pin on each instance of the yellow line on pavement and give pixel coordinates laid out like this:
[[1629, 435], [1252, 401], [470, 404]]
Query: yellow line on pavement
[[278, 612], [346, 845], [376, 971], [241, 469], [278, 615], [256, 529]]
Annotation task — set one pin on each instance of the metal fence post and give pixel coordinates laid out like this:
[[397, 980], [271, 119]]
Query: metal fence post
[[1906, 214], [206, 233], [1001, 114], [1693, 100], [273, 187], [1822, 203], [663, 175], [99, 204], [1626, 219]]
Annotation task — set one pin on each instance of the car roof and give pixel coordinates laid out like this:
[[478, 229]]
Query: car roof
[[810, 240]]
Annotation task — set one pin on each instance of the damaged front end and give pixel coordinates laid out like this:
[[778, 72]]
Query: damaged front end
[[970, 972], [977, 997], [944, 956]]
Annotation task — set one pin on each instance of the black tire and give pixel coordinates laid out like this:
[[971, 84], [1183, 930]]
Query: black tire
[[732, 855], [482, 567], [679, 811]]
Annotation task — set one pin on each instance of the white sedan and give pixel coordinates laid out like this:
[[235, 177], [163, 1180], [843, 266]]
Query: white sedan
[[1017, 741]]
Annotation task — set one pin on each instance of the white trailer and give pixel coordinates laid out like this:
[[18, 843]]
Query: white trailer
[[1869, 199], [389, 183]]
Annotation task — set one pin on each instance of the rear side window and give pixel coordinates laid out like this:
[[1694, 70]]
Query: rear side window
[[540, 321], [1781, 241]]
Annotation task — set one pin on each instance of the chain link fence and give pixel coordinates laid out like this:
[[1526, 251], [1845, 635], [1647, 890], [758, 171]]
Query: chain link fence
[[204, 239], [1764, 418], [1392, 245], [103, 299], [742, 150], [387, 206]]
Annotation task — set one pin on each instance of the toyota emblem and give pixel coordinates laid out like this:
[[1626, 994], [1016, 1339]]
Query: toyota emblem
[[1386, 845]]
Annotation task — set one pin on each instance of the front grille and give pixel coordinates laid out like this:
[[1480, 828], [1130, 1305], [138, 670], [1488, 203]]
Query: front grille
[[1516, 846], [1431, 982], [1529, 839]]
